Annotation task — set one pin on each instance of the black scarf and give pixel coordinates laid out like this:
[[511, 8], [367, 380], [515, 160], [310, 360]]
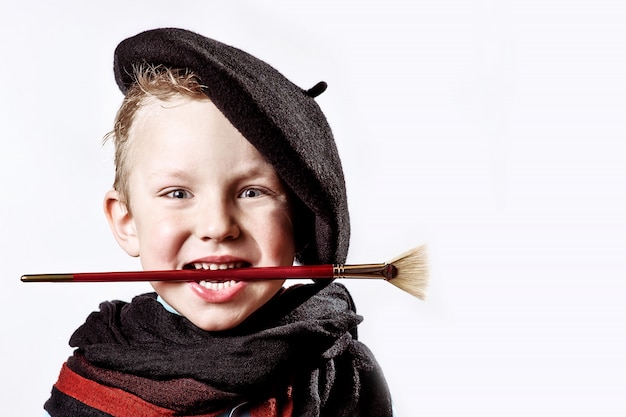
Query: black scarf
[[304, 338]]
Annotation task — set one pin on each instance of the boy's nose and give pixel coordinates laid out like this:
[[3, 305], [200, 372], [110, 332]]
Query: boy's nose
[[217, 222]]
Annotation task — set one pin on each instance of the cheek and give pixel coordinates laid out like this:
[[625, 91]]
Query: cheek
[[160, 240], [276, 237]]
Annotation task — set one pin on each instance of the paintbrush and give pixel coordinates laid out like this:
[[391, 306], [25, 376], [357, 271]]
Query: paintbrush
[[409, 272]]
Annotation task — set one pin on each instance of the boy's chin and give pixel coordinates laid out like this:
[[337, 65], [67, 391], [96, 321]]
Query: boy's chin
[[222, 316], [217, 324]]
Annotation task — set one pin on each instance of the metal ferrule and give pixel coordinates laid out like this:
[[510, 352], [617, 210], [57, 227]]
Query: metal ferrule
[[375, 271]]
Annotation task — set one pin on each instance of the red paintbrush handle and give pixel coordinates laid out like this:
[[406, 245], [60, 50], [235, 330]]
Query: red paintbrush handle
[[239, 274]]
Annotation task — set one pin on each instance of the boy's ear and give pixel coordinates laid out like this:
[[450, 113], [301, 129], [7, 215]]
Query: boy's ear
[[121, 223]]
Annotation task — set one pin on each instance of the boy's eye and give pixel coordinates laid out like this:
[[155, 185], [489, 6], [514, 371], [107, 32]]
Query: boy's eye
[[251, 193], [178, 194]]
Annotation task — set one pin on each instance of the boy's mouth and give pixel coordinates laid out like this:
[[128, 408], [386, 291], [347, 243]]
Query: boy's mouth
[[216, 285], [215, 266]]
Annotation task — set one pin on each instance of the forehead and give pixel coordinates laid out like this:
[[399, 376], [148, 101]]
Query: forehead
[[187, 133]]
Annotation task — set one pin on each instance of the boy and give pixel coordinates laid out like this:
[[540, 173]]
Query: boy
[[221, 163]]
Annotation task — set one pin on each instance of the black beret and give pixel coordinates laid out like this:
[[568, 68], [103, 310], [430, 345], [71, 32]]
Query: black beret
[[282, 121]]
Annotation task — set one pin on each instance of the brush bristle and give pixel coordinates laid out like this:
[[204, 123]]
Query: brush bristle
[[412, 271]]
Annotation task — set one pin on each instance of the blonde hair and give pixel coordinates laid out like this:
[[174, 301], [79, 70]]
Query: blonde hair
[[150, 82]]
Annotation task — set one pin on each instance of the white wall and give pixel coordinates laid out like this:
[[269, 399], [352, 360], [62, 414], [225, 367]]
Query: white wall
[[491, 130]]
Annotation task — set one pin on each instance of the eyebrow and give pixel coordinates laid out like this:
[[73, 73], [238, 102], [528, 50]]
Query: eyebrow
[[176, 173], [242, 170], [255, 170]]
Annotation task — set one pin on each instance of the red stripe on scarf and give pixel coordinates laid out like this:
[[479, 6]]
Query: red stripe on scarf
[[120, 403], [271, 407]]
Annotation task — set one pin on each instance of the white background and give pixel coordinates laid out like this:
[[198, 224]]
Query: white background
[[491, 130]]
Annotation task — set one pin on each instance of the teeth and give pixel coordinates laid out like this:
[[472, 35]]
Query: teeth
[[217, 285], [215, 267]]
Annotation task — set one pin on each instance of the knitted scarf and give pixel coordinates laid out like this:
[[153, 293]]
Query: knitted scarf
[[298, 355]]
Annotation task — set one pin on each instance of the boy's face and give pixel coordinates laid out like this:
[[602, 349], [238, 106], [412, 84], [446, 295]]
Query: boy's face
[[201, 195]]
